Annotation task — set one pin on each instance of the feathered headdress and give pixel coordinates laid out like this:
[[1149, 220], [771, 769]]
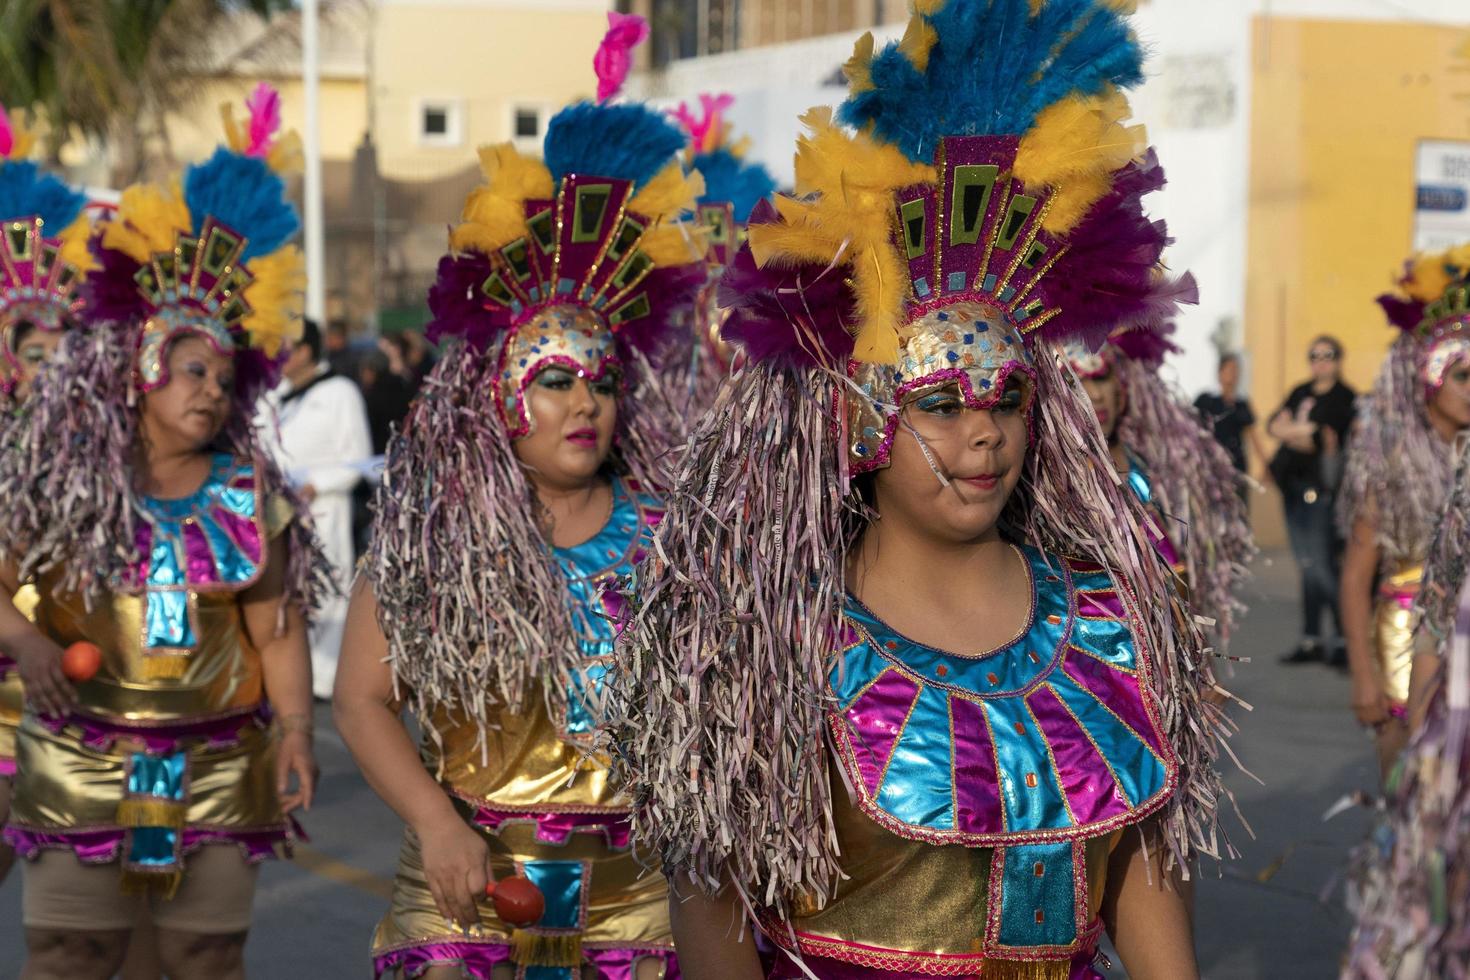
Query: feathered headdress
[[989, 197], [1432, 306], [43, 241], [581, 261], [210, 255], [733, 186]]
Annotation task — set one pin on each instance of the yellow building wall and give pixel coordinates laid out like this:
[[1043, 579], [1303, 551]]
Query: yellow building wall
[[487, 59], [1337, 111]]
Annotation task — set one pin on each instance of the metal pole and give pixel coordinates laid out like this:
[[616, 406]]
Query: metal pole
[[312, 138]]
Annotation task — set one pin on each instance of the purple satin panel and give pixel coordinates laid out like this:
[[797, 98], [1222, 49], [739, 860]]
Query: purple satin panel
[[976, 786], [1092, 793], [215, 733], [7, 766], [201, 565], [6, 666], [244, 531], [1163, 545], [104, 846], [557, 828], [476, 960], [1100, 605], [1115, 689], [877, 719], [143, 541]]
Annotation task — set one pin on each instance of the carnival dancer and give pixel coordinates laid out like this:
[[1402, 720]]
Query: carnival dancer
[[1173, 464], [1397, 477], [904, 677], [514, 493], [170, 560], [1411, 886], [733, 186], [43, 260]]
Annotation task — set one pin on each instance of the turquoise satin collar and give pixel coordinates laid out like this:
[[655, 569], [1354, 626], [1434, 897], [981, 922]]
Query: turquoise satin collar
[[1052, 737], [589, 567]]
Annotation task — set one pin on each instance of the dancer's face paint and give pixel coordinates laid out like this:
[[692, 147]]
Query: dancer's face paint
[[1106, 395], [980, 451], [186, 412], [33, 348], [572, 417], [1451, 401]]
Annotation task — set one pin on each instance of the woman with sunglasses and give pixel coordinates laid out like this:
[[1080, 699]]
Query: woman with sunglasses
[[1312, 426]]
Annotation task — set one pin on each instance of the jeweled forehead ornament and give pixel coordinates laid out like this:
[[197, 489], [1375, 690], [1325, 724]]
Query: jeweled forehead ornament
[[1446, 329], [1432, 305]]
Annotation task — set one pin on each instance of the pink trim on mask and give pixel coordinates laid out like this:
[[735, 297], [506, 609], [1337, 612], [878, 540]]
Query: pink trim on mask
[[523, 426]]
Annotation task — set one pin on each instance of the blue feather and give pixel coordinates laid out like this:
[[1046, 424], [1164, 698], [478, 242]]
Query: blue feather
[[728, 178], [624, 142], [26, 191], [995, 69], [245, 194]]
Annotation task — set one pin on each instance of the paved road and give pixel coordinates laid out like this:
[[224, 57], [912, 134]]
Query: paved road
[[1262, 918]]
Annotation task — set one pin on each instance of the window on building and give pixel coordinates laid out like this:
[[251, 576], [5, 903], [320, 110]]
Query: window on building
[[527, 126], [440, 123]]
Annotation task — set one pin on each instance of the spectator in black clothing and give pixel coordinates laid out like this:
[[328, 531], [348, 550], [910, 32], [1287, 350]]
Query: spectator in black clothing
[[1313, 427], [1230, 416], [386, 393], [337, 349]]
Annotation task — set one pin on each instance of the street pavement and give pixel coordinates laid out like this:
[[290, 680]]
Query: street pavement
[[1272, 914]]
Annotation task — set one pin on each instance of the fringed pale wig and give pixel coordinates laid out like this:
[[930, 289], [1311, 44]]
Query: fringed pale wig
[[580, 261], [986, 203]]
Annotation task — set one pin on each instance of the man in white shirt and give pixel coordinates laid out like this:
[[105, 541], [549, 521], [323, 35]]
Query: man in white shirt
[[316, 424]]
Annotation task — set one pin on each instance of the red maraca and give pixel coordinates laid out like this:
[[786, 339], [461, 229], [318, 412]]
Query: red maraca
[[80, 661], [518, 902]]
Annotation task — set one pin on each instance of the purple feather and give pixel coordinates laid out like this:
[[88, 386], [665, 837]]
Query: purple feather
[[1146, 346], [1108, 278], [110, 292], [792, 316], [1406, 314], [454, 300]]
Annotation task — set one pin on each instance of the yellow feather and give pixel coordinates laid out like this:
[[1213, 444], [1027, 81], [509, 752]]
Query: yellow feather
[[669, 193], [148, 219], [276, 298], [678, 243], [514, 175], [234, 138], [859, 68], [918, 40], [22, 139], [1429, 274], [1124, 7], [494, 214], [287, 156], [1074, 143], [929, 7], [74, 248]]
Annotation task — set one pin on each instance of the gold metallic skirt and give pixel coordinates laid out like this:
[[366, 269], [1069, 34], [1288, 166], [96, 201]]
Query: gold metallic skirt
[[1393, 640], [603, 908]]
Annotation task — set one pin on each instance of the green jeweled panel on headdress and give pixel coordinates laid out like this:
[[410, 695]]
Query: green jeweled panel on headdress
[[978, 232], [582, 250], [35, 283]]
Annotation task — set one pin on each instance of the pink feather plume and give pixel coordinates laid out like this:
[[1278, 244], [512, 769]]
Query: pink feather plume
[[265, 119], [614, 58], [7, 135], [704, 133]]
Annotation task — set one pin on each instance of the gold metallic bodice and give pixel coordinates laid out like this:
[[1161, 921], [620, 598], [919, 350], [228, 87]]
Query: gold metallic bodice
[[523, 765], [222, 675], [913, 897], [12, 695]]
